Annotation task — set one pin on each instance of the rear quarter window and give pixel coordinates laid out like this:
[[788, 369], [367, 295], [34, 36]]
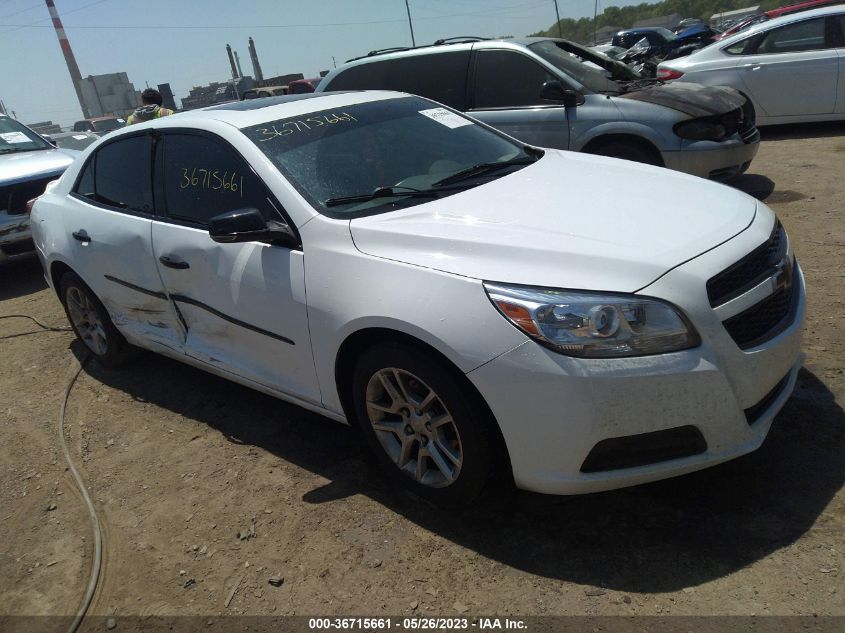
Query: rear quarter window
[[440, 77]]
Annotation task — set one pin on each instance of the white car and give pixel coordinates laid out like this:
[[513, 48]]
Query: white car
[[474, 305], [792, 68]]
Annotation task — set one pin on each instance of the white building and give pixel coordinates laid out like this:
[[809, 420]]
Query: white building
[[718, 19], [111, 94]]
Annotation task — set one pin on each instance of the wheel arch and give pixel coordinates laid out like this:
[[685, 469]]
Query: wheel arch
[[362, 339], [58, 268], [595, 143]]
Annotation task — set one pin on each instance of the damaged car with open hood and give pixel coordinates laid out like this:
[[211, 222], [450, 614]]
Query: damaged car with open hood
[[554, 93]]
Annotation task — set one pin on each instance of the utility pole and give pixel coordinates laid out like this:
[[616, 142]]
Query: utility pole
[[559, 29], [595, 22], [411, 24]]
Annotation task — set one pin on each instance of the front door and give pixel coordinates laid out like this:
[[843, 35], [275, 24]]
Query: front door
[[243, 304], [506, 95]]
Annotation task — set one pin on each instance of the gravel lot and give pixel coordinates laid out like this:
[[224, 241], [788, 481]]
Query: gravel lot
[[206, 489]]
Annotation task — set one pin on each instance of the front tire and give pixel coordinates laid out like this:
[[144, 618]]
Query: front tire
[[425, 429], [91, 322]]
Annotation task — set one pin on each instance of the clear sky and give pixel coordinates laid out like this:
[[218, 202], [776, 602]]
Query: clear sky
[[183, 42]]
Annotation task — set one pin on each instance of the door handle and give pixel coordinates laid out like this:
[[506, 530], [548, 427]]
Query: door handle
[[753, 66], [81, 236], [171, 262]]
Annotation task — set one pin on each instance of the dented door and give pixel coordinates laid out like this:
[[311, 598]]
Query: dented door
[[108, 222], [243, 306]]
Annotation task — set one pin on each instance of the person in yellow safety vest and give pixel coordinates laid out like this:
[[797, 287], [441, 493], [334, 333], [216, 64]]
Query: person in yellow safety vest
[[151, 108]]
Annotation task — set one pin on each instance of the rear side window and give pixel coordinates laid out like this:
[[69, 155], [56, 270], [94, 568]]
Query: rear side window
[[808, 35], [506, 79], [362, 77], [122, 175], [440, 77], [204, 177]]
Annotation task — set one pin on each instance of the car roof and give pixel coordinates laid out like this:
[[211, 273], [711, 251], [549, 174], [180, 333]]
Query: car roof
[[784, 19], [242, 114]]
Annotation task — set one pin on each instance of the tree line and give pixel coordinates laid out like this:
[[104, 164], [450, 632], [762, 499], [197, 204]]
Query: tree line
[[582, 30]]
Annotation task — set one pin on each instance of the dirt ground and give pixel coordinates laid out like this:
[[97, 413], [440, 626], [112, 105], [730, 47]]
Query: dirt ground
[[205, 487]]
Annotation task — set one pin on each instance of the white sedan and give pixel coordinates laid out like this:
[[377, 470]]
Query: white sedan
[[792, 68], [475, 306]]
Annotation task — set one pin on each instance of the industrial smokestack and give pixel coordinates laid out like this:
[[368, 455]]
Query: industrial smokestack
[[238, 64], [75, 75], [232, 62], [256, 67]]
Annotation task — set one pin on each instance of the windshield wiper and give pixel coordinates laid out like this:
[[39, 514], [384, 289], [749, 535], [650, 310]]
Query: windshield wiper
[[482, 168], [383, 192]]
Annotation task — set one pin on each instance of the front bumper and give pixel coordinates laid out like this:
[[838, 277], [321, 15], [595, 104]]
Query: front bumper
[[15, 237], [716, 161], [554, 410]]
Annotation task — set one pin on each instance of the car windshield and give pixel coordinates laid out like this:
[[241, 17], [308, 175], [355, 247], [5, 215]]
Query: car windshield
[[107, 125], [571, 59], [386, 154], [15, 137]]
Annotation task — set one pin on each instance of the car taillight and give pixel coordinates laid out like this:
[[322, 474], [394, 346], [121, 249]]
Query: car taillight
[[668, 74], [29, 204]]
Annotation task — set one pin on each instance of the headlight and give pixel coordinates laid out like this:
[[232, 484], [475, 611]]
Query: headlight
[[594, 325], [701, 131]]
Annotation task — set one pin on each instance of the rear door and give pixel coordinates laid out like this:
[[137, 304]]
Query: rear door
[[243, 304], [839, 33], [506, 94], [108, 217], [793, 69]]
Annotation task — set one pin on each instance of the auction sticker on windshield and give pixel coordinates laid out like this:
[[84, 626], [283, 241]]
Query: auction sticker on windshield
[[444, 117], [15, 137]]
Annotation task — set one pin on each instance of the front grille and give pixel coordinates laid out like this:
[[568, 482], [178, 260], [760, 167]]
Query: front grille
[[749, 271], [765, 320], [13, 198], [755, 412], [643, 449]]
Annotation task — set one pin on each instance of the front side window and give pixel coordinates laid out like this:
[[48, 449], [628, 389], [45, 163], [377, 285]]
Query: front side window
[[204, 177], [122, 174], [507, 79], [15, 137], [410, 149], [807, 35]]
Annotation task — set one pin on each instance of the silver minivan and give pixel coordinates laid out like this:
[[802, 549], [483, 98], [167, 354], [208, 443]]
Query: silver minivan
[[553, 93]]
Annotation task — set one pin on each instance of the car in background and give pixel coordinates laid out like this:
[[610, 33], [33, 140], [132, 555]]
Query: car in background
[[267, 91], [614, 52], [774, 13], [72, 140], [473, 356], [99, 125], [659, 39], [303, 86], [554, 93], [27, 163], [791, 68]]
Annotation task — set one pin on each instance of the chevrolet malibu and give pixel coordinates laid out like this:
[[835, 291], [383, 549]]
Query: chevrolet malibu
[[474, 305]]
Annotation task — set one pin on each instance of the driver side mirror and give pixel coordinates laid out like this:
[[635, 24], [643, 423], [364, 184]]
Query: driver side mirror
[[248, 225], [554, 91]]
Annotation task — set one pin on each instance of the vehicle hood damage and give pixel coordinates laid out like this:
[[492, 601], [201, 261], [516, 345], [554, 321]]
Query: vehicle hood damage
[[567, 221], [692, 99]]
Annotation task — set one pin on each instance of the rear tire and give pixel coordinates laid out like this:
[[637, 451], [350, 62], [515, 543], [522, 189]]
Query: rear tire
[[426, 431], [91, 322]]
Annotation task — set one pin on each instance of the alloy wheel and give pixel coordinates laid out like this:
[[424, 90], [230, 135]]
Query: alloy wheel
[[414, 427], [86, 321]]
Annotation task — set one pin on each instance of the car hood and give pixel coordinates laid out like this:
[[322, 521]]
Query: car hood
[[22, 166], [568, 221], [690, 98]]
